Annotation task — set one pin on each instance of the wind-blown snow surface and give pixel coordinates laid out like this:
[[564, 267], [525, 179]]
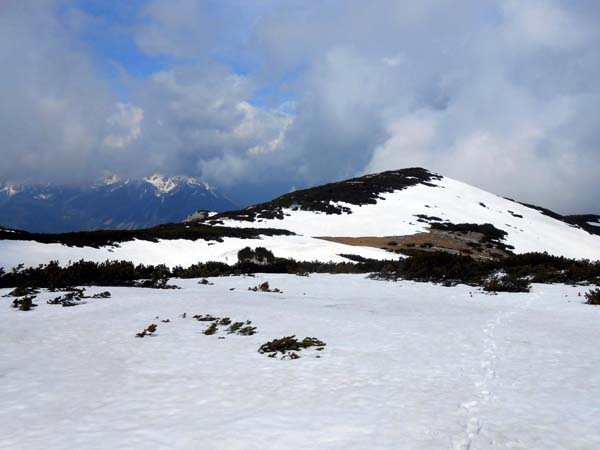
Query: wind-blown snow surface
[[181, 252], [449, 200], [406, 366]]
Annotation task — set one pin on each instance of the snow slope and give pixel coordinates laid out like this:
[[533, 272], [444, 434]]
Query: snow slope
[[182, 252], [406, 366], [449, 200]]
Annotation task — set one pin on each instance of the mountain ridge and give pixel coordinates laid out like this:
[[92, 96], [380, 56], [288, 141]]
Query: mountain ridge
[[108, 203], [400, 179]]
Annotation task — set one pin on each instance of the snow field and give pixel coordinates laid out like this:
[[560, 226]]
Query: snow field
[[183, 252], [407, 365]]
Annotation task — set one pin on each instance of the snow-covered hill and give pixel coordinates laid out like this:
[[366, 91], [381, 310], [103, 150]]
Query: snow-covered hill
[[366, 216], [414, 208], [111, 203], [406, 366]]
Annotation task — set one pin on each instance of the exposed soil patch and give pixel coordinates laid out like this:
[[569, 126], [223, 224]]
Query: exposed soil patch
[[456, 242]]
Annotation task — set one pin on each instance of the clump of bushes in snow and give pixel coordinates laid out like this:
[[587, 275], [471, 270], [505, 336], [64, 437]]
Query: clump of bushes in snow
[[24, 303], [593, 297], [159, 280], [74, 297], [506, 284], [206, 318], [212, 329], [150, 329], [239, 328], [69, 299], [235, 327], [264, 287], [289, 345], [247, 331], [260, 256], [225, 321], [22, 291]]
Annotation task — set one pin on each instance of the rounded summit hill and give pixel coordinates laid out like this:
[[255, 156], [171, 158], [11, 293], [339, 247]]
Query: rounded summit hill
[[423, 205]]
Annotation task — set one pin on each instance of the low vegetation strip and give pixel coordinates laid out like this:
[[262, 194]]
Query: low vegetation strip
[[102, 238], [442, 267], [437, 267]]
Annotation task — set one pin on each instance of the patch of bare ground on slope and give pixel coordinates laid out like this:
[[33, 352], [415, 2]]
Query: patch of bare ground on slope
[[458, 243]]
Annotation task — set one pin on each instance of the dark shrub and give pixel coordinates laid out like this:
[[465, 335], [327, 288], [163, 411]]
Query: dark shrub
[[289, 343], [24, 303], [264, 287], [206, 318], [593, 297], [148, 331], [260, 256], [235, 327], [22, 292], [161, 283], [247, 331], [212, 329], [507, 284]]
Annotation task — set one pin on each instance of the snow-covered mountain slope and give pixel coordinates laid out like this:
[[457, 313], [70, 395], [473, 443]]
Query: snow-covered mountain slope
[[413, 209], [111, 203], [406, 366]]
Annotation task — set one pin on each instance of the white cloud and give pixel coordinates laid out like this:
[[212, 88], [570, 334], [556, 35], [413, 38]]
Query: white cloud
[[541, 23], [53, 106], [206, 121], [409, 140], [125, 125]]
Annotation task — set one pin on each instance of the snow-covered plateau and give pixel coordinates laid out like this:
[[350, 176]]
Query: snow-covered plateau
[[406, 366]]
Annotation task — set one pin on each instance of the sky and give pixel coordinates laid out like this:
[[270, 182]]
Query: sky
[[260, 97]]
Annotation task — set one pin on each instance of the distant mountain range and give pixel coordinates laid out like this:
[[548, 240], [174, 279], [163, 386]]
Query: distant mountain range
[[111, 203]]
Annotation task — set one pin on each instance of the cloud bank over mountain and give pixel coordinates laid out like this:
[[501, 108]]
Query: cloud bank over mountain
[[270, 95]]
